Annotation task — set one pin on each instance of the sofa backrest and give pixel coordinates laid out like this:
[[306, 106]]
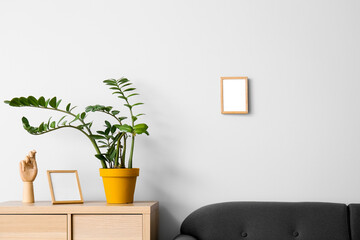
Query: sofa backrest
[[268, 221]]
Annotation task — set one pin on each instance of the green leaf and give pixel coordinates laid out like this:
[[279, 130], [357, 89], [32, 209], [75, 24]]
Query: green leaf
[[108, 108], [25, 121], [113, 129], [33, 101], [53, 124], [83, 115], [107, 124], [41, 101], [24, 101], [68, 107], [124, 128], [15, 102], [101, 157], [125, 85], [53, 102], [31, 130], [98, 108], [140, 114], [134, 94], [60, 120], [58, 103], [41, 127], [122, 97], [128, 105], [129, 89], [47, 103], [49, 121], [140, 128], [97, 137], [101, 132], [134, 118], [89, 109], [123, 80], [64, 123], [115, 112], [119, 135], [122, 118], [76, 118], [141, 125], [72, 108], [112, 154], [107, 131], [6, 101], [137, 104], [111, 82]]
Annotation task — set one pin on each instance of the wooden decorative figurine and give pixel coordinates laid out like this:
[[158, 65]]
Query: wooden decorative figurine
[[28, 172]]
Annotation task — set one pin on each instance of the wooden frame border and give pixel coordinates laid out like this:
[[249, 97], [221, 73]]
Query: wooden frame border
[[246, 97], [52, 189]]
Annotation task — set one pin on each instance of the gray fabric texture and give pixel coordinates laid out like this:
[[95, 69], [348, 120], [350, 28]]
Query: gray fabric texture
[[270, 221]]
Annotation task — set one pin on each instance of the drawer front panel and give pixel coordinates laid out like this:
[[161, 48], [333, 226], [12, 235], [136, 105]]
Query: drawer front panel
[[107, 227], [31, 227]]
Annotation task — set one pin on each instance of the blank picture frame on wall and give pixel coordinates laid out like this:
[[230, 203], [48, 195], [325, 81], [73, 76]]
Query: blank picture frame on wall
[[234, 95]]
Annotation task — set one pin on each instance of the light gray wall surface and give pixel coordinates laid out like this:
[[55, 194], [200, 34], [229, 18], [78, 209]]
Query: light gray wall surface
[[300, 141]]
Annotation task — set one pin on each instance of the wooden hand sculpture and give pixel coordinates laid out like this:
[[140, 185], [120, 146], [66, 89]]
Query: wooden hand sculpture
[[28, 172]]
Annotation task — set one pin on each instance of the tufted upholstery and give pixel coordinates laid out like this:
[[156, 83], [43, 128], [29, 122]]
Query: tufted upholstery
[[268, 221]]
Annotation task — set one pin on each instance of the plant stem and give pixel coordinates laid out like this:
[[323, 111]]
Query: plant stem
[[103, 163], [131, 151], [112, 116], [116, 164], [133, 135], [118, 153], [69, 113], [122, 165]]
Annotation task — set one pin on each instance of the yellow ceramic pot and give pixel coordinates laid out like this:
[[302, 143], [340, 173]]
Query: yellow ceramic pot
[[119, 184]]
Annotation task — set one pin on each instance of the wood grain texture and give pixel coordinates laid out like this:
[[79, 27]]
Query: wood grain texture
[[33, 227], [91, 220], [16, 207], [69, 227], [154, 222], [107, 227]]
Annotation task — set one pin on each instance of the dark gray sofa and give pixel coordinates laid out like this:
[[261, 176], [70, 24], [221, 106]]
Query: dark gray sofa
[[273, 221]]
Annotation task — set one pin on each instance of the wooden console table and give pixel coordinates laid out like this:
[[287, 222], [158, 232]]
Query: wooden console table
[[91, 221]]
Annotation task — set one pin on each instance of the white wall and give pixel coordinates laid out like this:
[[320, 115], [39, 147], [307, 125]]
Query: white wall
[[300, 141]]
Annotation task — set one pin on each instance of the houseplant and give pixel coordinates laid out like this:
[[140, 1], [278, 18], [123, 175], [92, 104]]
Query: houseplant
[[110, 143]]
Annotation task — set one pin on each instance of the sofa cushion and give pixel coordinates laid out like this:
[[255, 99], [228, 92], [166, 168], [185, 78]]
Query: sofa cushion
[[354, 211], [268, 221]]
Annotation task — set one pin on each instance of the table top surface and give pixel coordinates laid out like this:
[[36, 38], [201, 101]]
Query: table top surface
[[18, 207]]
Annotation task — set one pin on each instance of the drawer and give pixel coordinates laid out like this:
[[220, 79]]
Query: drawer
[[107, 227], [31, 227]]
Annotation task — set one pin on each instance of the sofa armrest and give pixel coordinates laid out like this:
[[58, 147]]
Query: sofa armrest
[[184, 237]]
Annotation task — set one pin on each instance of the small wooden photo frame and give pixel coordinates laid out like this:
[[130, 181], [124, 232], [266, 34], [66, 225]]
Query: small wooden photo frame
[[64, 186], [234, 95]]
